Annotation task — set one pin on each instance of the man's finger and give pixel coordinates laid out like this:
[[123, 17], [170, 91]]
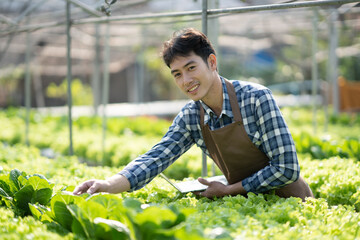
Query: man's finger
[[79, 190], [94, 188], [203, 181], [198, 193], [83, 187]]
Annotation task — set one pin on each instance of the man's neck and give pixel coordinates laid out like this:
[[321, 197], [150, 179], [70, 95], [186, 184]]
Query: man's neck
[[215, 99]]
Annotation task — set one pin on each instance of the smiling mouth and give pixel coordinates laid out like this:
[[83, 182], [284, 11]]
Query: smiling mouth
[[193, 88]]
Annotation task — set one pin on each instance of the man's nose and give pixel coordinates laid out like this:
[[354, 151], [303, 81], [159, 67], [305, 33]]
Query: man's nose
[[187, 79]]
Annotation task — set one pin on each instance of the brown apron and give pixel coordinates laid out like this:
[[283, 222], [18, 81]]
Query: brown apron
[[237, 157]]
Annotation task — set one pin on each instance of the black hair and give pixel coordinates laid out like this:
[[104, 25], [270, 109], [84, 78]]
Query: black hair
[[184, 42]]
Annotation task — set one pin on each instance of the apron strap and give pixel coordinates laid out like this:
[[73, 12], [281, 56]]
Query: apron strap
[[201, 115], [233, 103]]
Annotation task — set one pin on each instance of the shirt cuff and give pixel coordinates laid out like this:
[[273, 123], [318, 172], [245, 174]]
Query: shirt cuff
[[131, 178], [247, 186]]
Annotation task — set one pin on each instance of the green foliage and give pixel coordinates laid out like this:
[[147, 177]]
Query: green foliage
[[9, 81], [158, 212], [81, 93], [348, 68], [329, 163], [104, 216], [326, 147], [17, 190], [160, 79], [342, 138], [10, 78], [13, 227], [52, 132]]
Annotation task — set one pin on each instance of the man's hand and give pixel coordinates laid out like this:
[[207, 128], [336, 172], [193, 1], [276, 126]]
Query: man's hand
[[92, 186], [115, 184], [218, 189], [215, 189]]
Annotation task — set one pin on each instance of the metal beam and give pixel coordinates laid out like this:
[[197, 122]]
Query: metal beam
[[280, 6], [7, 20], [30, 9], [217, 11], [210, 12], [85, 7]]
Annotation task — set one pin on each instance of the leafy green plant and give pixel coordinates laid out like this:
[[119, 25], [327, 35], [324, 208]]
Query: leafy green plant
[[17, 228], [17, 190], [81, 93], [157, 211], [104, 216]]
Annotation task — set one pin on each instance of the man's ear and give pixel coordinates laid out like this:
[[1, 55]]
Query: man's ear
[[212, 62]]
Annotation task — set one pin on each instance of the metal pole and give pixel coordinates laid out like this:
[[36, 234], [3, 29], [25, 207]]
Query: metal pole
[[213, 35], [85, 7], [204, 30], [27, 88], [105, 95], [333, 68], [96, 70], [204, 14], [69, 74], [140, 76], [314, 72]]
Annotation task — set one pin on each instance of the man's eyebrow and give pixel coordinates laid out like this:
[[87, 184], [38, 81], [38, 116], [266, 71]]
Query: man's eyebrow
[[187, 64], [175, 70]]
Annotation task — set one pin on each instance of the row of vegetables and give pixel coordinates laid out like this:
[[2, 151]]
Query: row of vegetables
[[37, 203], [36, 199], [52, 133]]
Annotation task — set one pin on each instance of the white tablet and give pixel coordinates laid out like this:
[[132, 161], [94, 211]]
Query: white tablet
[[194, 185]]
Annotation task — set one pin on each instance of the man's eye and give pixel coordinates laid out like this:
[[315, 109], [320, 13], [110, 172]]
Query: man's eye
[[191, 67], [176, 75]]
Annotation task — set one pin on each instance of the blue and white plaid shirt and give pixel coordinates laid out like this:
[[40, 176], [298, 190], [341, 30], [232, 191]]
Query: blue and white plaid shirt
[[263, 123]]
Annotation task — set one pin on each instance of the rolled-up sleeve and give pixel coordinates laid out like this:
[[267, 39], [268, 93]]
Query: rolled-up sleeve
[[175, 142], [277, 143]]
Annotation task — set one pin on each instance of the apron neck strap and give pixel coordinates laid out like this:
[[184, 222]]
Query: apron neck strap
[[233, 103]]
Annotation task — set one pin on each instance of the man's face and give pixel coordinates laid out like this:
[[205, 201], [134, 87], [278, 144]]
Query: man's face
[[193, 76]]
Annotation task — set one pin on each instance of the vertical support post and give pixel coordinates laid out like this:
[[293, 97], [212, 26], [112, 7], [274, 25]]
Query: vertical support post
[[141, 67], [69, 74], [96, 70], [213, 35], [27, 89], [333, 61], [105, 94], [213, 32], [314, 72], [204, 19]]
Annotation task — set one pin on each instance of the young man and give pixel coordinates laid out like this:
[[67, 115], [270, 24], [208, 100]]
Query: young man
[[237, 124]]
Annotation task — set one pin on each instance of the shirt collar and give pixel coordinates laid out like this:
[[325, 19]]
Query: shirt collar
[[226, 107]]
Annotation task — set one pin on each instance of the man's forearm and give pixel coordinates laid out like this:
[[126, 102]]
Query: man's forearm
[[218, 189], [118, 183], [235, 189]]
